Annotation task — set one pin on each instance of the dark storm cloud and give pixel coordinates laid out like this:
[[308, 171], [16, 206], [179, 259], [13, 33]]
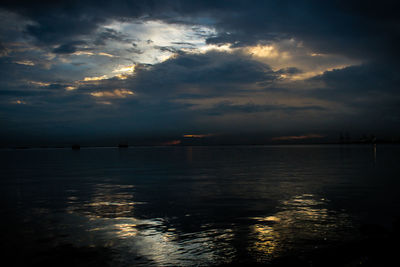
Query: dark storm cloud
[[111, 35], [213, 73], [3, 50], [60, 21], [68, 48], [371, 91], [355, 82], [362, 29], [227, 107]]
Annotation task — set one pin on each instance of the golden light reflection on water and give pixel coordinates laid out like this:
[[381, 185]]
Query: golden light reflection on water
[[111, 214], [267, 239], [110, 211], [301, 218], [111, 201], [126, 229]]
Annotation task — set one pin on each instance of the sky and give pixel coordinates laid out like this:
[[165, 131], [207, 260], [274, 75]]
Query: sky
[[165, 72]]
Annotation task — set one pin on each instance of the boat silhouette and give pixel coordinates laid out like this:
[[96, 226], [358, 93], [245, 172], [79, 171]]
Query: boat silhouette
[[76, 147]]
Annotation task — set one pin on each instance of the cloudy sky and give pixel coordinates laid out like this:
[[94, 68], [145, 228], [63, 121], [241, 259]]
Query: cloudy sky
[[74, 71]]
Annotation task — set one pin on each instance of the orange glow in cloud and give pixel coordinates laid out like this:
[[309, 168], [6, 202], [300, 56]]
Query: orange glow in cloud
[[173, 142], [297, 137], [197, 135], [18, 102]]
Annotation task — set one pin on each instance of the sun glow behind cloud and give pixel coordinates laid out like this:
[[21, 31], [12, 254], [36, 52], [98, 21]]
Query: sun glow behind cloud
[[154, 41], [266, 51]]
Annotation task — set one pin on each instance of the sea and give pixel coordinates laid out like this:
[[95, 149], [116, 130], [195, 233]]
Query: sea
[[293, 205]]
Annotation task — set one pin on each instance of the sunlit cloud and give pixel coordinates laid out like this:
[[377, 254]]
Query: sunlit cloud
[[25, 62], [156, 41], [95, 78], [122, 76], [266, 51], [125, 69], [88, 53], [71, 88], [105, 54], [310, 74], [297, 137], [197, 135], [212, 47], [172, 143], [117, 93], [292, 53], [317, 55], [42, 84], [18, 102], [104, 102]]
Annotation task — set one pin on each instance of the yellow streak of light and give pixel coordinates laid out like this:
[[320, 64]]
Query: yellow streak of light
[[25, 62], [117, 93], [98, 78], [122, 76], [86, 53], [40, 83], [71, 88], [197, 135], [105, 54], [125, 69], [306, 75]]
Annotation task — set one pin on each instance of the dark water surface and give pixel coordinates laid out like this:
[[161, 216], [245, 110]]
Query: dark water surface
[[195, 206]]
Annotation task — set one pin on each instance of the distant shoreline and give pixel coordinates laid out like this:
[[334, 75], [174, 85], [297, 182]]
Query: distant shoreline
[[202, 145]]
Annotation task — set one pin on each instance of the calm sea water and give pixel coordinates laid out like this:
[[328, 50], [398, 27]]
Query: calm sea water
[[191, 206]]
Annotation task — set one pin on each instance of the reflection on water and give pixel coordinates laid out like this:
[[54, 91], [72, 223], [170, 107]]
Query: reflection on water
[[300, 221], [266, 239], [111, 215], [195, 206], [107, 201]]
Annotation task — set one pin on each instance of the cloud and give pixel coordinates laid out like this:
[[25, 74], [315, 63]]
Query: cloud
[[117, 93], [366, 30], [68, 48], [25, 62], [231, 108], [197, 135], [212, 73], [95, 78], [290, 67]]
